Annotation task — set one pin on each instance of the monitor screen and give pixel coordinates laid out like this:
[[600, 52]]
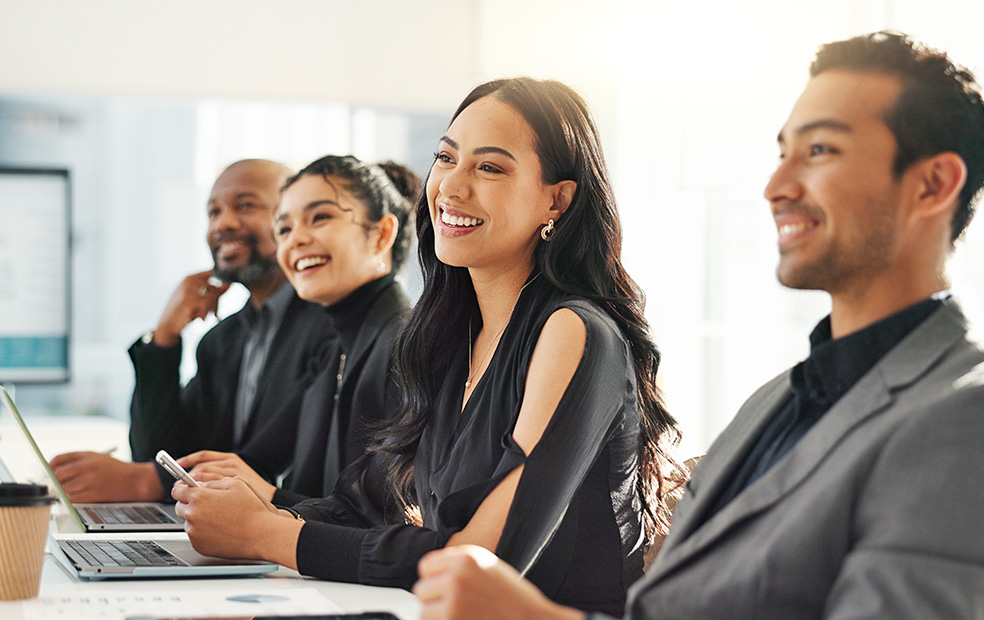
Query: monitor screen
[[35, 253]]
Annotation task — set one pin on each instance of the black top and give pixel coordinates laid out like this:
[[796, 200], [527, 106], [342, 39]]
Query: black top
[[575, 523], [354, 391], [816, 383], [199, 416]]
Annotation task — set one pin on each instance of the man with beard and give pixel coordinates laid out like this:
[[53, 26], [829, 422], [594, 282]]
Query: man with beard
[[252, 366]]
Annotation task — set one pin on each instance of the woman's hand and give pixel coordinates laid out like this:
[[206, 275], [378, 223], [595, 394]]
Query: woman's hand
[[207, 465], [226, 519], [471, 583]]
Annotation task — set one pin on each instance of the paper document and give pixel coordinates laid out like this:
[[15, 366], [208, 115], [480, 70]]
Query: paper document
[[107, 604]]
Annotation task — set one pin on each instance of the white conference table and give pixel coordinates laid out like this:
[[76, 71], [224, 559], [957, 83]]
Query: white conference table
[[64, 596]]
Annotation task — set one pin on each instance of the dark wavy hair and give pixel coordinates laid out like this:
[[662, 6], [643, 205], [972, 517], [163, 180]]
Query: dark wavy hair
[[939, 110], [383, 188], [582, 258]]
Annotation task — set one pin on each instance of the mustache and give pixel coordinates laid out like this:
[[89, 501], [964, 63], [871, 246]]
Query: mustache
[[250, 239], [797, 208]]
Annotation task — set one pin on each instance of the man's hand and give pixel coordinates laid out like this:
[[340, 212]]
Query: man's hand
[[206, 465], [470, 583], [226, 519], [194, 299], [96, 477]]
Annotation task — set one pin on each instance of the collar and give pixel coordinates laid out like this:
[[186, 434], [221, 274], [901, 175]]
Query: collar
[[349, 314], [275, 307], [835, 365]]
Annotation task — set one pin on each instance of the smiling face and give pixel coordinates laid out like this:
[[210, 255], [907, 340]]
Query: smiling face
[[485, 191], [834, 197], [240, 230], [323, 244]]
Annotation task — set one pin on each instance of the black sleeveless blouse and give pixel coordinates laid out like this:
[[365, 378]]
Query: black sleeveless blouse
[[574, 527]]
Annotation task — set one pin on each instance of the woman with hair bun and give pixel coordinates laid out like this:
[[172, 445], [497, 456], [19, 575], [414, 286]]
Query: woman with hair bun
[[343, 230]]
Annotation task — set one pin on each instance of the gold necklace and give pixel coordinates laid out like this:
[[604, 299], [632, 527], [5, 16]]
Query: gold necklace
[[471, 375]]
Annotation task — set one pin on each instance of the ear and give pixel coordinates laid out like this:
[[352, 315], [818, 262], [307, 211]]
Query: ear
[[563, 194], [939, 180], [388, 226]]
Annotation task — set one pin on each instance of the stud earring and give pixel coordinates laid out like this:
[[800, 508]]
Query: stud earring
[[380, 264], [546, 233]]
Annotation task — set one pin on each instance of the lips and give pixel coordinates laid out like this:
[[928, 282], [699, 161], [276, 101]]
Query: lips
[[227, 249], [793, 225]]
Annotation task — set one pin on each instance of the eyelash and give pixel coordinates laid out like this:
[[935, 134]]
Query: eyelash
[[444, 157]]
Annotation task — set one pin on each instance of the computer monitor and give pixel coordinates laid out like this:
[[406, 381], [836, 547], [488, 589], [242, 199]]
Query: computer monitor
[[35, 274]]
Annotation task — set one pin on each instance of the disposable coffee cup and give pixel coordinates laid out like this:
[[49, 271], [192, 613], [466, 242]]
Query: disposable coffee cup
[[24, 513]]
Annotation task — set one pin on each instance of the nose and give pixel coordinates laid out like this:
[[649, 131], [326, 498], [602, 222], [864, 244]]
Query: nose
[[784, 185], [298, 237], [454, 183]]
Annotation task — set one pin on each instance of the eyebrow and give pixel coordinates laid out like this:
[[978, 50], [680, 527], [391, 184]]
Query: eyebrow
[[314, 205], [482, 150], [823, 123]]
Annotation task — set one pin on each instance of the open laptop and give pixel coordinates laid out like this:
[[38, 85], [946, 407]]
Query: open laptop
[[121, 517], [93, 555]]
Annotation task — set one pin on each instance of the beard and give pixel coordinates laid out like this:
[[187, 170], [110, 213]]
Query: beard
[[256, 269]]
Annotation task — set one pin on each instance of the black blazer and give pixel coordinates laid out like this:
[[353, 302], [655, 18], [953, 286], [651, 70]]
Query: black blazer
[[199, 416], [338, 414]]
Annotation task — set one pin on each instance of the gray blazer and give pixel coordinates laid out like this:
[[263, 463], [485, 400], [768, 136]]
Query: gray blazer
[[878, 512]]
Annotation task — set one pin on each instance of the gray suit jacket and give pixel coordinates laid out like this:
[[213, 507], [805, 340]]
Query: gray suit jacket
[[878, 512]]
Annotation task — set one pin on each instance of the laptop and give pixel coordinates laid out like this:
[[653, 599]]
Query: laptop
[[122, 556], [121, 517], [93, 555]]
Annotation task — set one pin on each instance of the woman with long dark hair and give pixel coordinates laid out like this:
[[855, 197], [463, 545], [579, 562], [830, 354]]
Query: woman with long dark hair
[[531, 423]]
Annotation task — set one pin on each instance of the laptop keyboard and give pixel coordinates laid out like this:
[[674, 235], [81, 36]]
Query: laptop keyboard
[[124, 553], [140, 515]]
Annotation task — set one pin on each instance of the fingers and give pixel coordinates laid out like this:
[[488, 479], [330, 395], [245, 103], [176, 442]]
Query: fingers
[[202, 456], [68, 457]]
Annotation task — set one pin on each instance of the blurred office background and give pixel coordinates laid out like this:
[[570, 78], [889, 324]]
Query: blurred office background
[[145, 102]]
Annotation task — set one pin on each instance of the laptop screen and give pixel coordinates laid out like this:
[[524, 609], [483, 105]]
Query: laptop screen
[[14, 447]]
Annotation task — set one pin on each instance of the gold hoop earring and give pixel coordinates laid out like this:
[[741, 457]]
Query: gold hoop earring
[[546, 233]]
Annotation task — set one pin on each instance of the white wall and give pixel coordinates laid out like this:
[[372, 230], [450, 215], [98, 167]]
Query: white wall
[[379, 52]]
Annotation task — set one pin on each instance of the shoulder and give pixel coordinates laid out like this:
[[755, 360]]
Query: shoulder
[[600, 334]]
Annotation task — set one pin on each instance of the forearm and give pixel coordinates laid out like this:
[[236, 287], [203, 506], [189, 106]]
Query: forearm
[[155, 410], [274, 539]]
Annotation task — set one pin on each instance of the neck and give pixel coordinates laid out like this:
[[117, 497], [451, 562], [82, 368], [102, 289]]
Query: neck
[[497, 294], [855, 310], [261, 290]]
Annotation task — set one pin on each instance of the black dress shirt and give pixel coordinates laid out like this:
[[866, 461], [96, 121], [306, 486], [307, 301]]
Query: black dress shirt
[[832, 369]]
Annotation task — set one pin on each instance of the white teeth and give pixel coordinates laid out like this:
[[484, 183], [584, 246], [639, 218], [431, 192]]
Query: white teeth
[[455, 220], [788, 229], [229, 245], [309, 261]]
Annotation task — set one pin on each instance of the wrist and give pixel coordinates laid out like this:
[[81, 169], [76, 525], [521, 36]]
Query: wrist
[[147, 483], [162, 337], [275, 538]]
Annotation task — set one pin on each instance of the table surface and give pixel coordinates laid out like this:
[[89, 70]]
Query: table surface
[[64, 596]]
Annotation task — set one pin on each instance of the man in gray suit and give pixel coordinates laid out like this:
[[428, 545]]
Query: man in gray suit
[[852, 485]]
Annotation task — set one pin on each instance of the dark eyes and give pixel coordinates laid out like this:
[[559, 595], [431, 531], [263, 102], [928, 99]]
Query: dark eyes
[[283, 231], [822, 149], [444, 158]]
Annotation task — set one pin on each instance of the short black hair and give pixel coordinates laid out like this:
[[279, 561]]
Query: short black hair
[[939, 110]]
